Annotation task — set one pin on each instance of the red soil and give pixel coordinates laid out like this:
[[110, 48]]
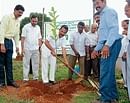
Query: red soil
[[61, 92]]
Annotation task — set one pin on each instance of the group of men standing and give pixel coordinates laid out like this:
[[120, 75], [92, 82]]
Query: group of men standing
[[31, 41]]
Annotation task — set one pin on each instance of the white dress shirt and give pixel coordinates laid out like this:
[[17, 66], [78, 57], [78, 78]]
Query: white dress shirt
[[128, 35], [32, 35], [79, 41], [59, 42], [93, 38]]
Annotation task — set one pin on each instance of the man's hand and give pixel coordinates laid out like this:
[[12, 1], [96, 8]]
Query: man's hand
[[40, 42], [22, 52], [53, 52], [124, 56], [105, 52], [77, 54], [2, 48], [17, 50], [94, 54]]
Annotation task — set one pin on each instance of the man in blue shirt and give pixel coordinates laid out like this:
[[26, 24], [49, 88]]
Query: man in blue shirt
[[109, 44]]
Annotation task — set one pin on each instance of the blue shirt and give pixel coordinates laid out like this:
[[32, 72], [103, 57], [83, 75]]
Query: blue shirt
[[108, 28]]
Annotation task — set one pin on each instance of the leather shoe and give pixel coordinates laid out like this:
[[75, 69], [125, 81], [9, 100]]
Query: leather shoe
[[13, 84], [52, 82], [2, 85]]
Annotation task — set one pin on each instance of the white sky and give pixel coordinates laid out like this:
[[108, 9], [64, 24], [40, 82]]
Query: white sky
[[66, 9]]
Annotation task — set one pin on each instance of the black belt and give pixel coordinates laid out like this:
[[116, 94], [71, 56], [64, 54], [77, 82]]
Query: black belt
[[8, 39], [92, 46]]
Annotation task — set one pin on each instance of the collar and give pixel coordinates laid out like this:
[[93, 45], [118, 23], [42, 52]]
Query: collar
[[12, 16], [31, 25], [104, 9]]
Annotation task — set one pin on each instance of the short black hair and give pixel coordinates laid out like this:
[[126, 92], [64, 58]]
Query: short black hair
[[19, 7], [33, 16], [81, 23], [97, 13], [126, 20], [64, 26]]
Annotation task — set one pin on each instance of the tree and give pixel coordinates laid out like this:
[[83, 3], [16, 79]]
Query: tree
[[54, 17], [39, 15]]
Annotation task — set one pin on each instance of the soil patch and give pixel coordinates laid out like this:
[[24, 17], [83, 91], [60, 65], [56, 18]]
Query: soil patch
[[61, 92]]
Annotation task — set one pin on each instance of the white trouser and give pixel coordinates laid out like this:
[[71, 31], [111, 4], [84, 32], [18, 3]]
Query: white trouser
[[124, 71], [46, 59], [128, 69], [34, 56]]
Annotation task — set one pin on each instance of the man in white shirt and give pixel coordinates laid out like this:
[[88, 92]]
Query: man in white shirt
[[86, 28], [127, 13], [123, 51], [31, 40], [78, 42], [92, 64], [48, 54]]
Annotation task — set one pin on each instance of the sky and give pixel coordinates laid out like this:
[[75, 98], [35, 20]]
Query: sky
[[66, 9]]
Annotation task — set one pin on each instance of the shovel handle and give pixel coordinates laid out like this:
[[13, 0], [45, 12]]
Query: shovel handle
[[69, 67]]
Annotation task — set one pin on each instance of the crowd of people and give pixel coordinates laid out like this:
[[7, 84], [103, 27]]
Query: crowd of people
[[95, 47]]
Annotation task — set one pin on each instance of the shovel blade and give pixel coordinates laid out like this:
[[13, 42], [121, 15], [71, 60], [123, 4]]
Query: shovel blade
[[78, 80]]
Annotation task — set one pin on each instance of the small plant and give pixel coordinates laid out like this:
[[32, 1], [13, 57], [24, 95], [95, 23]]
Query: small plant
[[54, 27]]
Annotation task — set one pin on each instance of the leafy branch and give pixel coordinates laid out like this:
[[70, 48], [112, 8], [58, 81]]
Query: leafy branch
[[53, 17]]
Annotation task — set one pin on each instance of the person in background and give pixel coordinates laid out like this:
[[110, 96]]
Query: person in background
[[127, 13], [97, 18], [78, 42], [123, 51], [125, 24], [86, 28], [92, 64], [109, 43], [128, 1], [31, 40], [48, 55], [9, 30]]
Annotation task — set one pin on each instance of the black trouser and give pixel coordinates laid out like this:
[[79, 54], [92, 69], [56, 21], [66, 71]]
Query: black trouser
[[91, 64], [6, 63]]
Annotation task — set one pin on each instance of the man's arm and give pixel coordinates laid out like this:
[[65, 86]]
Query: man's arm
[[3, 26], [40, 37], [50, 48], [65, 55], [22, 45], [40, 42], [75, 51]]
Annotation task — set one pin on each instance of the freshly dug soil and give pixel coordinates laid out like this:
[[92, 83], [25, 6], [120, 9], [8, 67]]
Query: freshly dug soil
[[61, 92]]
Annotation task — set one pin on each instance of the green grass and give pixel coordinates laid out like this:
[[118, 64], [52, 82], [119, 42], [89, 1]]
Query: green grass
[[13, 99], [86, 97], [61, 74]]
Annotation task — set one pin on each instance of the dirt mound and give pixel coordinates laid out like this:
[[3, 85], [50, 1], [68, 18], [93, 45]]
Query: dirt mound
[[41, 93]]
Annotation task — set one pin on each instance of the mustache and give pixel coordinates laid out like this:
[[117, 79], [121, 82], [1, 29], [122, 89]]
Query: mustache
[[97, 8]]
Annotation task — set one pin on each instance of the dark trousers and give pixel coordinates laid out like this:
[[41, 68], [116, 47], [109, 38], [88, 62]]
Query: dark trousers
[[30, 71], [108, 89], [6, 73], [72, 62], [91, 64]]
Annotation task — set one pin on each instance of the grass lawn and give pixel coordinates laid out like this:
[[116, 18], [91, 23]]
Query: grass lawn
[[61, 73]]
